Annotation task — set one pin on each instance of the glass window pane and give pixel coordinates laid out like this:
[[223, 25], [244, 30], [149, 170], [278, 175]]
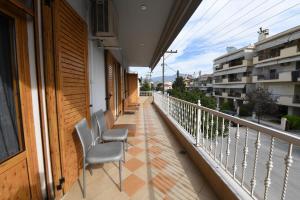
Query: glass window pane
[[11, 141]]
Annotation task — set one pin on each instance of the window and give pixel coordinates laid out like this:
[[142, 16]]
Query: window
[[11, 140]]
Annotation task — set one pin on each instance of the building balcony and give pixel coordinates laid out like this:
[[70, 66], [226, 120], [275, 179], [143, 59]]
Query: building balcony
[[288, 100], [235, 150], [278, 77], [238, 95], [224, 94], [217, 93], [284, 53], [157, 166], [244, 79], [296, 99]]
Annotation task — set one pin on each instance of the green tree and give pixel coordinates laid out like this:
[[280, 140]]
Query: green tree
[[262, 102], [179, 84], [146, 86], [159, 87]]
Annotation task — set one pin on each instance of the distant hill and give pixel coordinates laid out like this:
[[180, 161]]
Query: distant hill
[[158, 79]]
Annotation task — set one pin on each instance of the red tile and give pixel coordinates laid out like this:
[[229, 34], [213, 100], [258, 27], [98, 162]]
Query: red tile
[[132, 184], [133, 164], [134, 151]]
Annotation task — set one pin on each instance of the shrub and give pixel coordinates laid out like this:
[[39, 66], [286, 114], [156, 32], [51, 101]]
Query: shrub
[[245, 110], [228, 105], [293, 122]]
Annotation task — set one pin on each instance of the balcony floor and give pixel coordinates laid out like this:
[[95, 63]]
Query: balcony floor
[[156, 166]]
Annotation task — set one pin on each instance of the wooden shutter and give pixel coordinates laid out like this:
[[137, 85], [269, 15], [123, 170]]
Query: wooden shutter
[[132, 89], [110, 82], [71, 85]]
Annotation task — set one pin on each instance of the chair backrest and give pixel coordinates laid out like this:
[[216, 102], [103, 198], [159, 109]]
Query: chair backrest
[[100, 119], [85, 135], [109, 119]]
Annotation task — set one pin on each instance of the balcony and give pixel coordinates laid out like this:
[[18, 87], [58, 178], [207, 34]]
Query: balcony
[[244, 79], [156, 167], [296, 99], [224, 94], [283, 53], [235, 94], [217, 93], [254, 161], [277, 77]]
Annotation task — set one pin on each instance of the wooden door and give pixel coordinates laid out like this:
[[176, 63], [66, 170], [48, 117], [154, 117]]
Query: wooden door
[[119, 82], [19, 176], [132, 89], [110, 70], [72, 90]]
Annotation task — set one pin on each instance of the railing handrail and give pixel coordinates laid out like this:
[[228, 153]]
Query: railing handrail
[[283, 135]]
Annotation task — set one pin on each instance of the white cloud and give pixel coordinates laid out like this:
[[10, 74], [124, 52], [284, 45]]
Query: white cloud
[[206, 37]]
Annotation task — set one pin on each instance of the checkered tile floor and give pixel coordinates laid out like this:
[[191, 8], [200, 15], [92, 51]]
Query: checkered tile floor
[[154, 167]]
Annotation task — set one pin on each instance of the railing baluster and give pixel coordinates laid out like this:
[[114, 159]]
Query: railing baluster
[[207, 127], [222, 135], [195, 121], [237, 136], [216, 137], [203, 130], [228, 147], [211, 132], [198, 129], [288, 163], [181, 114], [190, 119], [244, 163], [269, 169], [253, 180]]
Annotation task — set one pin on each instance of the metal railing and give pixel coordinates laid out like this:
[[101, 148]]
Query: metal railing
[[245, 150], [296, 99], [146, 93]]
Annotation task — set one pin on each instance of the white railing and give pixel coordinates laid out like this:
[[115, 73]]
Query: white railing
[[258, 158], [146, 93]]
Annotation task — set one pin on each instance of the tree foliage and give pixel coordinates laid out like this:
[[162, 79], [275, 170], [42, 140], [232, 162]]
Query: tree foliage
[[159, 87], [179, 84], [146, 86], [262, 102], [193, 96]]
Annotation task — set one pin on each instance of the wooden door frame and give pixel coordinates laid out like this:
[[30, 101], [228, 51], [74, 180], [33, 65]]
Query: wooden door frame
[[30, 152], [53, 96], [50, 90]]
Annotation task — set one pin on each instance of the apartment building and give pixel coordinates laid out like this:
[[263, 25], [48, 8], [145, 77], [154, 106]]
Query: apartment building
[[204, 83], [232, 74], [277, 68]]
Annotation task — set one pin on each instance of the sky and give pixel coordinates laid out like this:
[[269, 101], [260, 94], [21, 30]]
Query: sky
[[217, 24]]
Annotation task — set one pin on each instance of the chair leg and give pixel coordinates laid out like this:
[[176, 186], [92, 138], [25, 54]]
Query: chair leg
[[126, 145], [84, 183], [120, 174], [124, 151], [91, 170]]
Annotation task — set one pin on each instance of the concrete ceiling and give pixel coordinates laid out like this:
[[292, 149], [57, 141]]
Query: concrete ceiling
[[140, 30]]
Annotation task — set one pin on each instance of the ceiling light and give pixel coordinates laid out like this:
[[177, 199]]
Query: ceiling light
[[143, 7], [142, 44]]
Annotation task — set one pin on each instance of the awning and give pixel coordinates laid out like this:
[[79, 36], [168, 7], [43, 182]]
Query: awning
[[231, 71], [237, 55], [279, 61], [230, 86], [278, 41]]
